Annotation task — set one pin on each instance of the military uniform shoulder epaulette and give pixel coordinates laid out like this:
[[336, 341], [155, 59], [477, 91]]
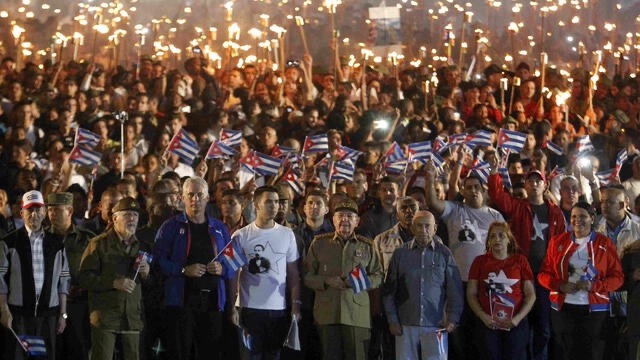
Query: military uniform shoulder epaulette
[[364, 239]]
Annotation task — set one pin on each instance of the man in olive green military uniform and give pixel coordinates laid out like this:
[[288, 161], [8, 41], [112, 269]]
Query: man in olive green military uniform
[[74, 342], [342, 315], [111, 270]]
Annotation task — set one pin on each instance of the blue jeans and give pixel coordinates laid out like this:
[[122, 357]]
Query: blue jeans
[[540, 324], [501, 344]]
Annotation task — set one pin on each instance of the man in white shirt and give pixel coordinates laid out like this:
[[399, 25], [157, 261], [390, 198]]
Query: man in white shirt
[[272, 256]]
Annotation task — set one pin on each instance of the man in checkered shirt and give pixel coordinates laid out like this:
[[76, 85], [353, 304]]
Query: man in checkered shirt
[[34, 279]]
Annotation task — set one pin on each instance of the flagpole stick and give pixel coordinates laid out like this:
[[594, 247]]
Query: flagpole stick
[[19, 340], [220, 252]]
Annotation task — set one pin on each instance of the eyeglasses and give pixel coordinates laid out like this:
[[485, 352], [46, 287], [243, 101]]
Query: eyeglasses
[[198, 195]]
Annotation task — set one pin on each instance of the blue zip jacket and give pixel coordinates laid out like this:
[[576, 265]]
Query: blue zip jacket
[[171, 251]]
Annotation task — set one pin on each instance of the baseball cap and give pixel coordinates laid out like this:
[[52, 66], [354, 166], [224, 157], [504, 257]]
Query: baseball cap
[[536, 172], [32, 198]]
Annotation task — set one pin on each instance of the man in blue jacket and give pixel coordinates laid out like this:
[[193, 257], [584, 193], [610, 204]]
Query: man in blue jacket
[[194, 289]]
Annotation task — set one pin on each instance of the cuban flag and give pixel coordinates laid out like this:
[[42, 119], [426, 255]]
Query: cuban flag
[[293, 180], [84, 156], [218, 150], [482, 171], [505, 299], [87, 138], [33, 345], [184, 146], [590, 271], [316, 144], [607, 177], [621, 157], [443, 343], [555, 172], [480, 138], [231, 137], [506, 180], [420, 150], [512, 140], [458, 138], [583, 144], [343, 170], [359, 280], [396, 168], [232, 257], [280, 151], [144, 256], [295, 161], [394, 153], [343, 153], [261, 163], [556, 149], [438, 144], [438, 161]]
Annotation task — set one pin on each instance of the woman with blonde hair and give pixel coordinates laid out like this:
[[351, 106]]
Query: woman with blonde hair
[[500, 293]]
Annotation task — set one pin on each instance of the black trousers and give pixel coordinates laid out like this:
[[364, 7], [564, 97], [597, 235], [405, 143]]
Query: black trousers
[[75, 341], [196, 327], [35, 326], [578, 332], [267, 329]]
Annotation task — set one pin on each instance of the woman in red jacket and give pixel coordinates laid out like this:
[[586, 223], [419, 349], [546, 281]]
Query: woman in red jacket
[[580, 269]]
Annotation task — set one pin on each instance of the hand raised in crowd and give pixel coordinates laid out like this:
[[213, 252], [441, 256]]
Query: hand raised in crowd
[[195, 270], [201, 169], [124, 284], [214, 268], [430, 169]]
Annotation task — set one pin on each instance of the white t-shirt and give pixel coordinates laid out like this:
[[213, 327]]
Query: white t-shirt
[[577, 269], [468, 229], [263, 280]]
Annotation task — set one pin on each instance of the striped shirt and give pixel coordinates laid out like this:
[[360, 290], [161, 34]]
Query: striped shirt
[[37, 258]]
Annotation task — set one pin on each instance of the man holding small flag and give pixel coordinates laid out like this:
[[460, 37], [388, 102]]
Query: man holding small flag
[[340, 266], [111, 272], [190, 251], [422, 292]]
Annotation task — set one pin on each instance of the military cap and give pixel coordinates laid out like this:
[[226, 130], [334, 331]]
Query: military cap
[[347, 205], [60, 198], [126, 204]]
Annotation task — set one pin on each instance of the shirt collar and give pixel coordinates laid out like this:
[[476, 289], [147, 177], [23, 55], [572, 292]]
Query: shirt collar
[[34, 234], [414, 245]]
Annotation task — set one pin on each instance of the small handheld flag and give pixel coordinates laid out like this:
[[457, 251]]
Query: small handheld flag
[[420, 150], [84, 156], [219, 150], [315, 144], [86, 137], [33, 345], [231, 137], [184, 146], [394, 153], [359, 280], [512, 140], [142, 256], [231, 256]]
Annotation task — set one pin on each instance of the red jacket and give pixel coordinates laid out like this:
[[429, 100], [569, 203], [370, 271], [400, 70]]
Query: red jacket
[[520, 214], [602, 254]]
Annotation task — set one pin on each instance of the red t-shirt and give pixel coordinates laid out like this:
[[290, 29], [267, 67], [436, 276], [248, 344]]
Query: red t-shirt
[[503, 277]]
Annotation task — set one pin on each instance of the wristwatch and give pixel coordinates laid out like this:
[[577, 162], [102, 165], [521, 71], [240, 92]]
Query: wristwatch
[[64, 316]]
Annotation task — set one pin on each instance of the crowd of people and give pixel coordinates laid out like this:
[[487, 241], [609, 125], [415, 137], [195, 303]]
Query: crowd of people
[[440, 239]]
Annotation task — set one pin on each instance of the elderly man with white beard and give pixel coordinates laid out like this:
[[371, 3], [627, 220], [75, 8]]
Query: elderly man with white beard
[[110, 270]]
